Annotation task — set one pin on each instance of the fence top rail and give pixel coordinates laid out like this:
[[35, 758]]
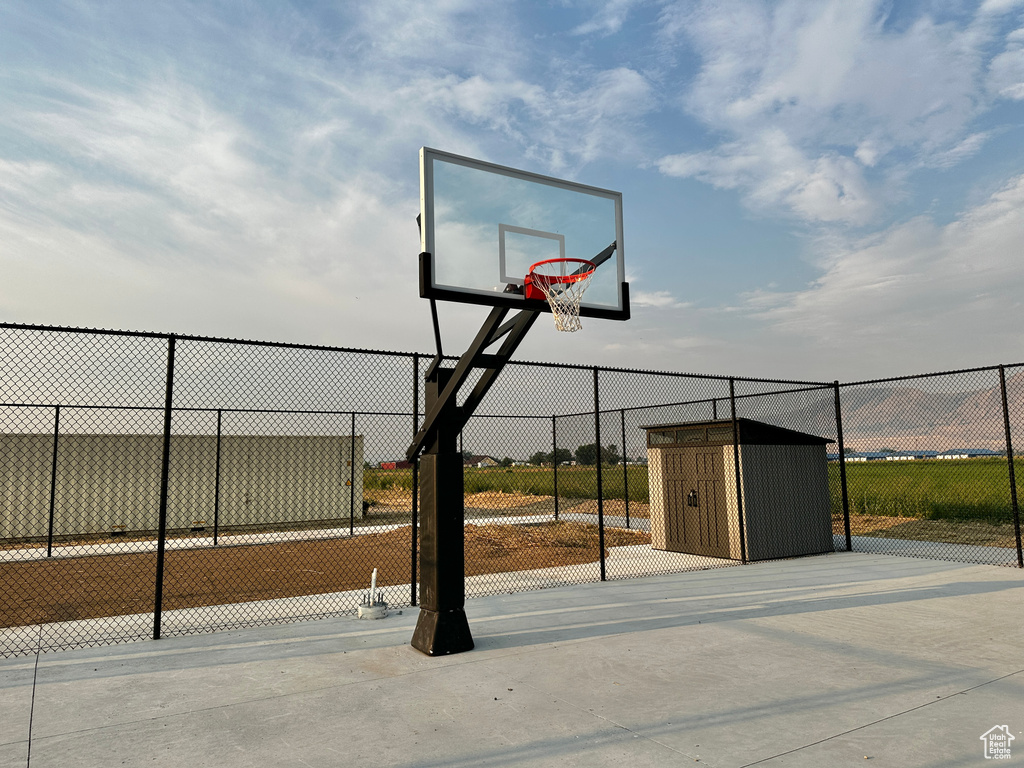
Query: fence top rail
[[210, 339], [176, 409], [389, 353], [723, 398], [675, 374], [654, 372], [888, 379], [809, 385]]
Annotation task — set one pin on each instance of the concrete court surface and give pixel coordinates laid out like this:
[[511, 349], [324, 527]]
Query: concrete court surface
[[835, 660]]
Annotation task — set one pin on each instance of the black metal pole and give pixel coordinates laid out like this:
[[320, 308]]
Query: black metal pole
[[736, 464], [600, 486], [714, 409], [625, 465], [554, 461], [352, 479], [414, 533], [216, 483], [442, 627], [53, 481], [842, 469], [161, 539], [1009, 463], [437, 333]]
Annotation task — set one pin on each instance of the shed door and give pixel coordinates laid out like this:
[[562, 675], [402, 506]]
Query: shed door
[[695, 512], [713, 528], [678, 478]]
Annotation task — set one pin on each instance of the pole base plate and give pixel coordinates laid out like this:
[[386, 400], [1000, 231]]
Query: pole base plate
[[439, 633]]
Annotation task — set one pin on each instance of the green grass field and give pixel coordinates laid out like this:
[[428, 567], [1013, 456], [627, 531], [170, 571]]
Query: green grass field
[[573, 482], [957, 489], [967, 489]]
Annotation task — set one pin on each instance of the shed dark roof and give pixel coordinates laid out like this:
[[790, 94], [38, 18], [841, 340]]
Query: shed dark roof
[[751, 432]]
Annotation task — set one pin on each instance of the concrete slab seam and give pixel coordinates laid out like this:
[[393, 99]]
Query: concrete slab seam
[[592, 713], [884, 719], [32, 702]]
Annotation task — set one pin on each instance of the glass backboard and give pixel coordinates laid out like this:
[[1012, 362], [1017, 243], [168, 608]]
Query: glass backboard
[[483, 225]]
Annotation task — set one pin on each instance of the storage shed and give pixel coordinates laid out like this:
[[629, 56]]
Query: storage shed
[[785, 505]]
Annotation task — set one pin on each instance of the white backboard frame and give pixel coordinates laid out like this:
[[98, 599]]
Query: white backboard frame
[[610, 301]]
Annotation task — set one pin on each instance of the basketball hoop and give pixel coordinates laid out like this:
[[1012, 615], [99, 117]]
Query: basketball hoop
[[561, 282]]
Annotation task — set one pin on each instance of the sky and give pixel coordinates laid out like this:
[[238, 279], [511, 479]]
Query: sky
[[812, 190]]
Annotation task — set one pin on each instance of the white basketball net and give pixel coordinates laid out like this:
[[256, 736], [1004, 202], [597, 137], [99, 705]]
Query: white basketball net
[[563, 282]]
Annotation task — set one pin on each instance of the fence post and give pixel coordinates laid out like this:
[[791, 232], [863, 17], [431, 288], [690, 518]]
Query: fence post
[[842, 469], [53, 481], [554, 461], [161, 540], [352, 478], [1009, 462], [714, 408], [216, 483], [625, 466], [736, 465], [600, 486], [414, 533]]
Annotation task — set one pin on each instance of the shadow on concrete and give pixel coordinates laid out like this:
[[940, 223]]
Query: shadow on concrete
[[549, 616]]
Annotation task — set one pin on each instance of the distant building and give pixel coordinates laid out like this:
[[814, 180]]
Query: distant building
[[954, 453], [968, 453], [396, 465], [480, 461], [911, 455], [867, 456]]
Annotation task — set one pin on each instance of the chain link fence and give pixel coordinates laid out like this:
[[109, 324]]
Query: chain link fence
[[154, 485], [930, 466]]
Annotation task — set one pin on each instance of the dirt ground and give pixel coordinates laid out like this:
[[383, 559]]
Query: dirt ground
[[980, 534], [111, 585], [392, 499], [401, 499], [502, 500], [64, 589]]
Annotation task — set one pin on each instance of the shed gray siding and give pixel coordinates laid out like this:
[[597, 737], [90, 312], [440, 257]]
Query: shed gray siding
[[786, 504]]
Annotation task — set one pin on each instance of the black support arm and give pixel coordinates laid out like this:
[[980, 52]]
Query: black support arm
[[467, 363]]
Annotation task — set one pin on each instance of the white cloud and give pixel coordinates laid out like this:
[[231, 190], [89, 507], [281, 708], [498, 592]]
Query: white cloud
[[564, 125], [891, 296], [445, 35], [280, 200], [608, 19], [999, 6], [1006, 72], [868, 153], [970, 146], [773, 173], [261, 180], [656, 299], [183, 225], [493, 97], [604, 119], [806, 95]]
